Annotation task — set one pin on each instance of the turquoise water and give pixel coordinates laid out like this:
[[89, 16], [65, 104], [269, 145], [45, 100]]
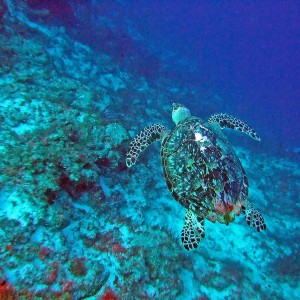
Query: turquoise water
[[79, 80]]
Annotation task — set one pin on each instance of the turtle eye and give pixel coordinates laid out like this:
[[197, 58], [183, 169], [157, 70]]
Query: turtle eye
[[175, 106]]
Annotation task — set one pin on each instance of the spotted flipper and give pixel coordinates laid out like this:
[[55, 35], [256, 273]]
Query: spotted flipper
[[227, 121], [146, 137], [193, 230], [254, 218]]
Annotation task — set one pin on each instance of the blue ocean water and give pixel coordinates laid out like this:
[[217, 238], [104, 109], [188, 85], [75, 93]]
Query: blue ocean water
[[79, 81]]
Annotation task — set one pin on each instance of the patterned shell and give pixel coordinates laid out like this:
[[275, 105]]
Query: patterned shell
[[201, 168]]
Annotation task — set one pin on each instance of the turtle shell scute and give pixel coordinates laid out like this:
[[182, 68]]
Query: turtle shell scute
[[201, 168]]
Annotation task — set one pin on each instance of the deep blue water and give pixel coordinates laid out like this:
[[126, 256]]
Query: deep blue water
[[247, 53]]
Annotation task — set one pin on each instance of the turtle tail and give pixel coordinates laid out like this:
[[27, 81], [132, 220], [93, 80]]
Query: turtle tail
[[146, 137]]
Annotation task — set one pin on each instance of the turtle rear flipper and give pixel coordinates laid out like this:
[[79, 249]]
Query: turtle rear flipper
[[146, 137], [227, 121], [193, 231], [254, 218]]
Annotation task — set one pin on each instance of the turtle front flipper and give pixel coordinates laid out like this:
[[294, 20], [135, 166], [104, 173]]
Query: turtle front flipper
[[146, 137], [193, 231], [253, 217], [227, 121]]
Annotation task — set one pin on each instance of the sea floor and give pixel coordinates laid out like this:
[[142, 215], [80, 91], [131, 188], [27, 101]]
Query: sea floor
[[76, 223]]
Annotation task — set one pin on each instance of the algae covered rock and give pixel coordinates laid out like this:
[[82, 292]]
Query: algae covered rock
[[116, 134]]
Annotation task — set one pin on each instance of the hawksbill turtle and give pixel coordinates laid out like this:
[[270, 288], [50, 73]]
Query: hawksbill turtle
[[202, 171]]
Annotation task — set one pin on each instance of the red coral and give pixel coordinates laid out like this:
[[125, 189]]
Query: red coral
[[53, 273], [118, 248], [103, 162], [50, 196], [109, 294], [7, 292], [44, 252], [73, 188], [9, 247], [78, 267]]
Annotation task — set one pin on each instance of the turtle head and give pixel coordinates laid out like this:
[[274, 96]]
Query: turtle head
[[179, 112]]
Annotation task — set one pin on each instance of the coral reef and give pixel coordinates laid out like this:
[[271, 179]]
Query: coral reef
[[76, 223]]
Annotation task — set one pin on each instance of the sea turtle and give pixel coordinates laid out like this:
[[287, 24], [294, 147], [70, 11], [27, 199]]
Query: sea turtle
[[202, 171]]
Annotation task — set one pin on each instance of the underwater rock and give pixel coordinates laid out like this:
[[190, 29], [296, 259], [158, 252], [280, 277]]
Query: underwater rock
[[115, 134], [112, 82]]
